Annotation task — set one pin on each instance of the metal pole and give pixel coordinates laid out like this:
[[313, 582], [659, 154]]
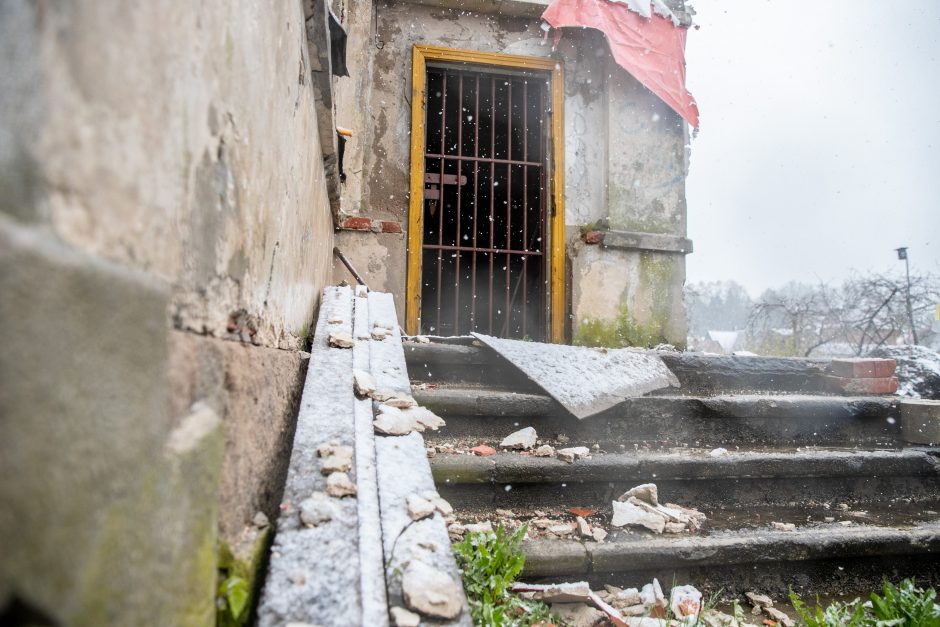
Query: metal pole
[[910, 311]]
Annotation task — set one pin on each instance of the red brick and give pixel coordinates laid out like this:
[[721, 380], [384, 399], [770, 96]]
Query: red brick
[[483, 450], [356, 224], [865, 386], [863, 368], [593, 237], [389, 226]]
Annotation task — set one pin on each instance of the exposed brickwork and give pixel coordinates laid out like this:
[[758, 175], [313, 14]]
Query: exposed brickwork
[[863, 368], [862, 386], [594, 237], [360, 223], [389, 226], [356, 224]]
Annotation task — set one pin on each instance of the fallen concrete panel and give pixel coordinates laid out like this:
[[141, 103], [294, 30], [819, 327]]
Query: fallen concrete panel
[[585, 381]]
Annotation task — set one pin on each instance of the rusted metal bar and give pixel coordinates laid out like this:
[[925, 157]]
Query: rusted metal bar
[[476, 227], [459, 196], [534, 164], [349, 266]]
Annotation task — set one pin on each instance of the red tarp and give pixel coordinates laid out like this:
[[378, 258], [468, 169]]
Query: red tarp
[[651, 49]]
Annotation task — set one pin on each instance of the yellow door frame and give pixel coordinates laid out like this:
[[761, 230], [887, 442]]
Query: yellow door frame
[[421, 54]]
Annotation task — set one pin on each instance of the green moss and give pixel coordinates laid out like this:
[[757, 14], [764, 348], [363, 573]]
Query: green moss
[[624, 212], [240, 577], [622, 331]]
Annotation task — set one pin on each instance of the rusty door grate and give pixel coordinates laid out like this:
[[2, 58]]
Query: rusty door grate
[[485, 202]]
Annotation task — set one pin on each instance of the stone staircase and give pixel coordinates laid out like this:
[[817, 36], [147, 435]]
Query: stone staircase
[[801, 489]]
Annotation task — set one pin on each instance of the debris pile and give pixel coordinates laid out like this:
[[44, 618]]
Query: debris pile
[[640, 507]]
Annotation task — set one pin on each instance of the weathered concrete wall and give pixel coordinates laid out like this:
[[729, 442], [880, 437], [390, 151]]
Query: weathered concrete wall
[[166, 233]]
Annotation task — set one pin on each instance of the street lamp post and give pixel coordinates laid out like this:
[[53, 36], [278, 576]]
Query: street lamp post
[[902, 254]]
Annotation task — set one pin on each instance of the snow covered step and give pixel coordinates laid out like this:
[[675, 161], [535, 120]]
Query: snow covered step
[[460, 359], [706, 421], [769, 477], [821, 558]]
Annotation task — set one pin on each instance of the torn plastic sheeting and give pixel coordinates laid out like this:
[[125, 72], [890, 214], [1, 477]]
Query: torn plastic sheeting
[[652, 49], [585, 381]]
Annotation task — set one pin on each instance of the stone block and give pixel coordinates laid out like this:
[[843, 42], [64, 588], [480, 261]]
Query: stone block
[[863, 368], [920, 421], [861, 387], [256, 391], [102, 521]]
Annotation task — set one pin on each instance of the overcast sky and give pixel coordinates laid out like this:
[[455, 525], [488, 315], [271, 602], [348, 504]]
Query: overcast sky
[[819, 149]]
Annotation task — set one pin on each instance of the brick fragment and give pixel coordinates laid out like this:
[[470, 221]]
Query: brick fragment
[[594, 237], [356, 224], [863, 368], [390, 226], [864, 386], [483, 450]]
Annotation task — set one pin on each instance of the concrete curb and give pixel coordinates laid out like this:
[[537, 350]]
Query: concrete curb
[[347, 570]]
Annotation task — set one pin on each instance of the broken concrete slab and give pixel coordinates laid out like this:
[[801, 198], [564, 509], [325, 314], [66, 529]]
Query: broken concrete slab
[[431, 591], [419, 507], [645, 492], [628, 514], [562, 370], [523, 439], [392, 421], [363, 382]]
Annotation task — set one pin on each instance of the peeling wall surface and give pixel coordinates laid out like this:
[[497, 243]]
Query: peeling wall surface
[[165, 233], [625, 150]]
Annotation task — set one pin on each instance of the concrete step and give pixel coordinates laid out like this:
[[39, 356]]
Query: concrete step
[[463, 360], [819, 559], [476, 412], [771, 477]]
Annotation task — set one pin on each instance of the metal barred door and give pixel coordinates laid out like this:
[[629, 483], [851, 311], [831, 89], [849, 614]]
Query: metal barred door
[[485, 204]]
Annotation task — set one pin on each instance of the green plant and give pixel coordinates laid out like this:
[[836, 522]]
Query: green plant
[[489, 563], [233, 595], [906, 604], [836, 614]]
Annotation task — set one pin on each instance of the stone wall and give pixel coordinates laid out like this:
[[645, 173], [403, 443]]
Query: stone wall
[[165, 234], [625, 153]]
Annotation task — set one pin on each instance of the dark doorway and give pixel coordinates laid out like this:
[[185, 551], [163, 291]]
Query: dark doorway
[[485, 223]]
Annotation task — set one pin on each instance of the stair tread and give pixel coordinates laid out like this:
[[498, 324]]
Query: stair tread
[[686, 464], [814, 542]]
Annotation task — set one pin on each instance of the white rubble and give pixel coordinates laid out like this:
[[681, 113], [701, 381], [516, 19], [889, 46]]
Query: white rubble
[[628, 514], [545, 451], [341, 339], [685, 601], [403, 618], [645, 492], [338, 484], [598, 534], [392, 421], [719, 452], [584, 528], [523, 439], [430, 591], [363, 382], [317, 509], [578, 614], [571, 454], [399, 402], [419, 507], [337, 459], [425, 418]]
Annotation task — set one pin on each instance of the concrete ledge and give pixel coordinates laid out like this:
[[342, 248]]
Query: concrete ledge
[[512, 468], [635, 240]]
